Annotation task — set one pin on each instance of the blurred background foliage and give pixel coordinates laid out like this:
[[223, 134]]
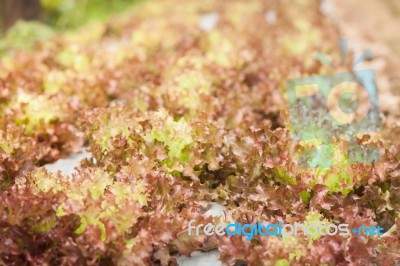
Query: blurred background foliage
[[69, 14], [53, 16]]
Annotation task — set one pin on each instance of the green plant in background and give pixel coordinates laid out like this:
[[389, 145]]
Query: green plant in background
[[69, 14], [24, 34], [59, 15]]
